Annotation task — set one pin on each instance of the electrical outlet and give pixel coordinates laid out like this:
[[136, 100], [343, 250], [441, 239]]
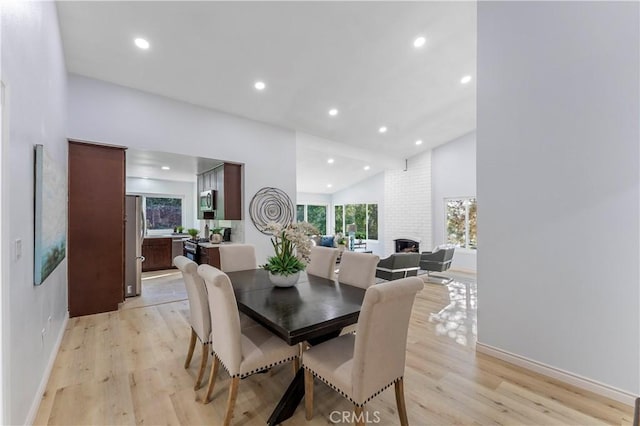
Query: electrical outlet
[[129, 289]]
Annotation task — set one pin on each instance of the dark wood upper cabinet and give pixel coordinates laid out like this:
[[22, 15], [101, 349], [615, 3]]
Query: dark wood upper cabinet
[[227, 181], [96, 228], [232, 189]]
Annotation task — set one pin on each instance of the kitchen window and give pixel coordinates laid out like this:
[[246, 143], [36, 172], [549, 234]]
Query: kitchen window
[[163, 212]]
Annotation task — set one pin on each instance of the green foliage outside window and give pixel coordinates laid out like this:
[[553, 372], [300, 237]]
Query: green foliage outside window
[[473, 229], [338, 212], [372, 221], [461, 222], [163, 213], [357, 213], [317, 216], [364, 216]]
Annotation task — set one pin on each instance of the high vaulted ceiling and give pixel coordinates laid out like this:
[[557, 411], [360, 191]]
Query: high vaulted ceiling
[[357, 57]]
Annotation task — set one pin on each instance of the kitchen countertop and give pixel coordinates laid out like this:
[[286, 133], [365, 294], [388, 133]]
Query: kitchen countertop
[[172, 236], [211, 245]]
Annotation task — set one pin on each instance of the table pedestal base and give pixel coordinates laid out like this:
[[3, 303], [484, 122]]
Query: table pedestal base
[[294, 393]]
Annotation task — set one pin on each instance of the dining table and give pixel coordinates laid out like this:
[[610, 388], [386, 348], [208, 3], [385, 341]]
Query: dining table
[[314, 310]]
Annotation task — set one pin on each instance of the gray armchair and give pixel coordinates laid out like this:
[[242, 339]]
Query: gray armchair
[[398, 265], [437, 261]]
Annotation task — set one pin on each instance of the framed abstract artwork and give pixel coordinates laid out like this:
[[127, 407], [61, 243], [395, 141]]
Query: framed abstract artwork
[[50, 245]]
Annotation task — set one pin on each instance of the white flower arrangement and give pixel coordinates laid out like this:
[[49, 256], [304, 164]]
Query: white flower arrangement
[[292, 247]]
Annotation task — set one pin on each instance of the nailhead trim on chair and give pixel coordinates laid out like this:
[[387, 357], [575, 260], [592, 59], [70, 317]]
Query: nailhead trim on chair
[[256, 370], [347, 396], [208, 342]]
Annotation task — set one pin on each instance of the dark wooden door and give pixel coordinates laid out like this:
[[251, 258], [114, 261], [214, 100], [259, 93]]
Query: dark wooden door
[[96, 228]]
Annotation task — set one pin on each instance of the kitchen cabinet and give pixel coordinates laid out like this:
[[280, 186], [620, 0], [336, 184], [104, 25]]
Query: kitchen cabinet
[[207, 180], [157, 254], [96, 228], [209, 256], [227, 181], [229, 187]]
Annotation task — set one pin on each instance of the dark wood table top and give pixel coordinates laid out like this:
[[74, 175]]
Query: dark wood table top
[[313, 308]]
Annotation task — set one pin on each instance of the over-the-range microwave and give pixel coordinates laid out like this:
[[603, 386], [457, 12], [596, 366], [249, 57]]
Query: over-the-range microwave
[[208, 203]]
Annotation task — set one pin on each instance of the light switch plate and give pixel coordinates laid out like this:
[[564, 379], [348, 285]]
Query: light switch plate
[[18, 249]]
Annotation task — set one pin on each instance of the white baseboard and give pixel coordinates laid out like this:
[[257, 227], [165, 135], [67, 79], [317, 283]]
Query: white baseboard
[[576, 380], [33, 411]]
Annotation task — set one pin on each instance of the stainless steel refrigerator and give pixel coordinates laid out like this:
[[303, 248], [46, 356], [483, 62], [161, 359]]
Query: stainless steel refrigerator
[[134, 234]]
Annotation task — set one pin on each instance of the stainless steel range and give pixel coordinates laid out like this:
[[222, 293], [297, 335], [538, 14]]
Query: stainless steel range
[[192, 249]]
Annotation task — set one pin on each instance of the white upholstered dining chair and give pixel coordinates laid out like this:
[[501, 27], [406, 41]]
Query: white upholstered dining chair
[[358, 269], [323, 262], [242, 352], [199, 316], [237, 257], [358, 366]]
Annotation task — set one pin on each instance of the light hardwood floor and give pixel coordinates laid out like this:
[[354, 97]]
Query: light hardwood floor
[[158, 287], [126, 367]]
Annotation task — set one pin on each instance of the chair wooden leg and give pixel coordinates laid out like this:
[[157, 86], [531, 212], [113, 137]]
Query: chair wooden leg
[[231, 402], [192, 346], [212, 379], [203, 365], [308, 394], [296, 365], [359, 419], [402, 408]]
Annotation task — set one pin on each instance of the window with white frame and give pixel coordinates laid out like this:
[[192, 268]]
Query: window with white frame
[[364, 216], [163, 212], [316, 215], [460, 222]]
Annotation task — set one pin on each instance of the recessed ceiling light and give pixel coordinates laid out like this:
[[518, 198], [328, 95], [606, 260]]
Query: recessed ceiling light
[[383, 129], [419, 142], [165, 168], [367, 167], [145, 177], [419, 42], [141, 43], [333, 112], [465, 79], [259, 85], [330, 160], [329, 185]]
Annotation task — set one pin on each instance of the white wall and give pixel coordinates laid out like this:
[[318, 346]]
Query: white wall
[[453, 174], [407, 197], [104, 112], [558, 185], [314, 199], [34, 73], [186, 190], [370, 191]]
